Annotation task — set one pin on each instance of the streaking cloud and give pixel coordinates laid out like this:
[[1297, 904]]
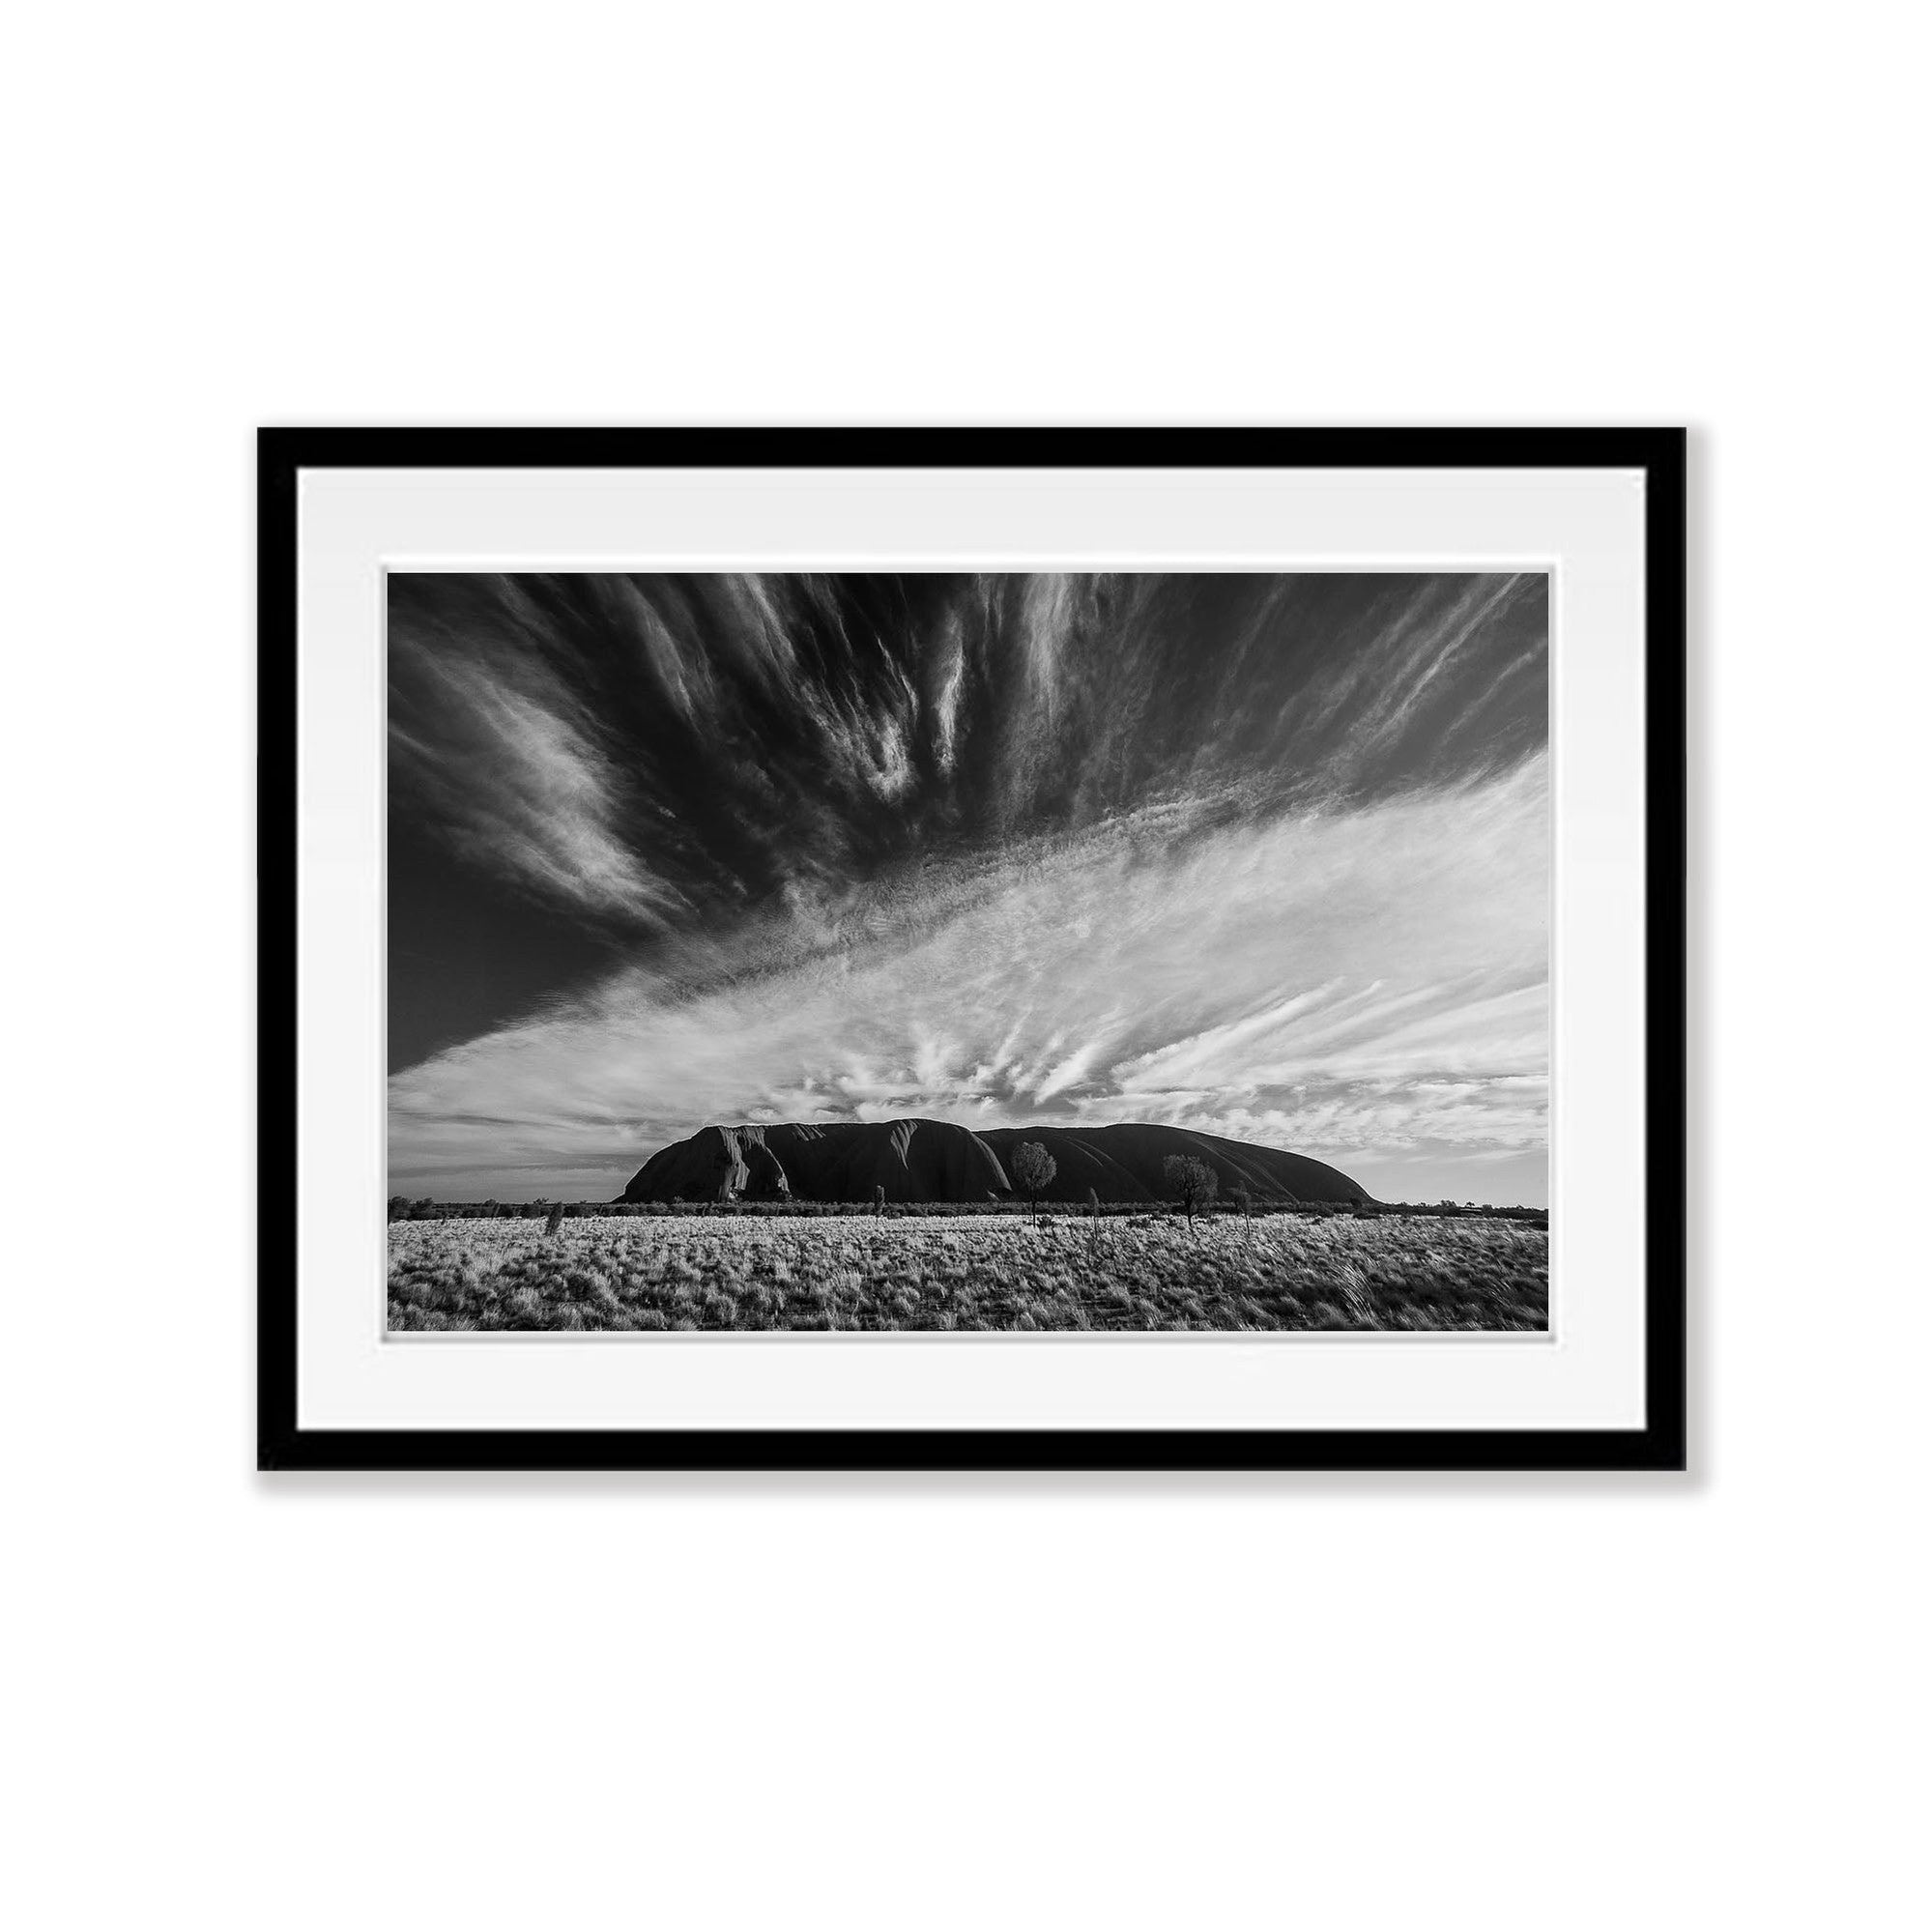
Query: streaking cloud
[[1262, 854], [1367, 982]]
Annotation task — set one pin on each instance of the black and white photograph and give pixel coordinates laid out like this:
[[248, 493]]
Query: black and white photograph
[[953, 954], [968, 969]]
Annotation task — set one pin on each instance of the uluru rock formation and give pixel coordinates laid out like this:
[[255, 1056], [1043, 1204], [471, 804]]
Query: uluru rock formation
[[939, 1160]]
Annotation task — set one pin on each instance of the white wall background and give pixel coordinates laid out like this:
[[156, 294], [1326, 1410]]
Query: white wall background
[[233, 1702]]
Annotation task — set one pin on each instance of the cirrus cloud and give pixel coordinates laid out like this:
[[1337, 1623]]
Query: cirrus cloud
[[1364, 983]]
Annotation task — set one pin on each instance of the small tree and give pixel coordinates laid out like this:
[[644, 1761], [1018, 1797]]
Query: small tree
[[555, 1220], [1033, 1169], [1190, 1182]]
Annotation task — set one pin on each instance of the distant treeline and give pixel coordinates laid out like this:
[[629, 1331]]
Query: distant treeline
[[401, 1208]]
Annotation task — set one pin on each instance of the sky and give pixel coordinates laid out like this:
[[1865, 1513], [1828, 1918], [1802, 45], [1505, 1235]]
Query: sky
[[1265, 856]]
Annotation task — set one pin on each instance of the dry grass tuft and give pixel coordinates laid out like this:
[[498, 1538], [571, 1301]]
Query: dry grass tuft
[[860, 1272]]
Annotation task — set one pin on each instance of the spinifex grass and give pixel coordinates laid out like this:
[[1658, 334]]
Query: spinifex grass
[[859, 1272]]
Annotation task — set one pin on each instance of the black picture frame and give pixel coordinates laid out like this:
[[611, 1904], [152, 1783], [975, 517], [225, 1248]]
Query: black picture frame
[[1659, 1445]]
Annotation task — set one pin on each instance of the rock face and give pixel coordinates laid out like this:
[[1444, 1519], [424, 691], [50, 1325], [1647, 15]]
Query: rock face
[[911, 1160], [937, 1160]]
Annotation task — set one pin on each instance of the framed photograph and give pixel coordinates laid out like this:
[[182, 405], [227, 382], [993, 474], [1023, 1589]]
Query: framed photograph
[[972, 949]]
